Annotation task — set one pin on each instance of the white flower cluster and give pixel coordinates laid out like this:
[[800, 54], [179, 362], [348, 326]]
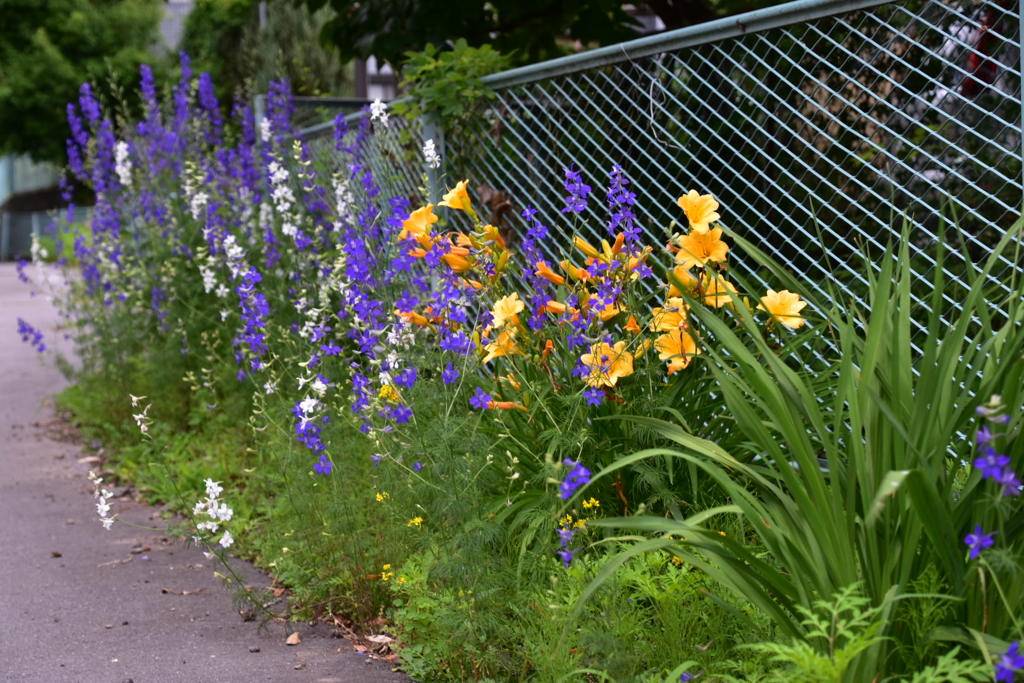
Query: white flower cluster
[[343, 200], [399, 338], [197, 204], [265, 129], [122, 164], [103, 497], [430, 155], [283, 197], [235, 256], [215, 511], [308, 407], [141, 419], [379, 112]]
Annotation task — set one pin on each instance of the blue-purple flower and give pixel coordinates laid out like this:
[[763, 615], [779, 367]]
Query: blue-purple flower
[[449, 374], [978, 540], [1010, 662], [480, 400], [578, 476]]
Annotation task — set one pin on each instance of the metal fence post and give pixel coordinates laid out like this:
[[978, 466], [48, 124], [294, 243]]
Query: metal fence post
[[5, 235], [259, 109]]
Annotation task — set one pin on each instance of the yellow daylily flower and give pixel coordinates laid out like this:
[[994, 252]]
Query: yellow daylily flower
[[457, 259], [700, 248], [678, 348], [503, 345], [717, 290], [458, 198], [417, 225], [607, 364], [671, 317], [683, 276], [506, 308], [700, 209], [784, 307]]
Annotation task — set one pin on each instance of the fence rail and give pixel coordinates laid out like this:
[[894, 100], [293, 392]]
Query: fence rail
[[820, 126]]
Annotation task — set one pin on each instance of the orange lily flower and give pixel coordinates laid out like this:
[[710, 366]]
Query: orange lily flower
[[544, 270]]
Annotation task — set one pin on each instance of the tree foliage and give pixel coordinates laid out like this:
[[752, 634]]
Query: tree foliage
[[531, 29], [224, 37], [49, 47]]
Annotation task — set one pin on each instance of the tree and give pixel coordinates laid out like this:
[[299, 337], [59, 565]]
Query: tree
[[531, 29], [48, 48], [225, 38]]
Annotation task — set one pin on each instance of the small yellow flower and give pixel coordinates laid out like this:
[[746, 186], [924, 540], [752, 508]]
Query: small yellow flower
[[386, 574], [591, 503], [670, 317], [678, 348], [784, 307], [506, 308], [700, 209], [607, 364], [417, 225], [382, 496], [632, 325], [565, 522], [580, 523], [717, 290], [401, 580], [503, 345], [458, 198], [389, 393], [701, 248], [415, 521], [677, 561]]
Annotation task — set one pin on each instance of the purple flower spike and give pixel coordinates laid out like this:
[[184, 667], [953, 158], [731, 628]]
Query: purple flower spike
[[576, 201]]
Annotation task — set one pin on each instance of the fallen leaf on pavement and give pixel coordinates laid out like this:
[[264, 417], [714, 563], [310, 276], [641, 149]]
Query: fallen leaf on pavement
[[293, 639], [168, 591]]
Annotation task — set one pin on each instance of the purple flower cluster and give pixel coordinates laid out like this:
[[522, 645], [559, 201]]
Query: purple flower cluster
[[577, 477], [567, 553], [577, 192], [993, 464], [31, 336]]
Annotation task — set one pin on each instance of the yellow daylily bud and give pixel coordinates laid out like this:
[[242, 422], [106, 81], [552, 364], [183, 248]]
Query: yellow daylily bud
[[583, 246]]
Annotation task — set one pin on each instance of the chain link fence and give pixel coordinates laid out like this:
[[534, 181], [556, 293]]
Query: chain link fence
[[822, 127]]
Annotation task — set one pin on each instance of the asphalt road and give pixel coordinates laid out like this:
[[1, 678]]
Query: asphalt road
[[81, 604]]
